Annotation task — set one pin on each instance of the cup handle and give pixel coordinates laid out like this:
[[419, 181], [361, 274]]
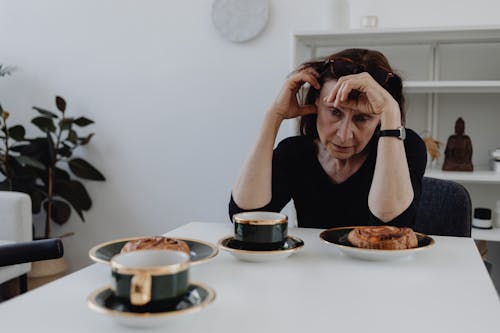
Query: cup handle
[[140, 289]]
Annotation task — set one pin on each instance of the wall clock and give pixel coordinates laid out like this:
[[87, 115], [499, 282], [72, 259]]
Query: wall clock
[[240, 20]]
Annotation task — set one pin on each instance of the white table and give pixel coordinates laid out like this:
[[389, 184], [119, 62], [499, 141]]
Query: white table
[[445, 289]]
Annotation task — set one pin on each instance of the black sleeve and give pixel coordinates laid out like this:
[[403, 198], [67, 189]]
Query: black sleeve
[[416, 155], [283, 157]]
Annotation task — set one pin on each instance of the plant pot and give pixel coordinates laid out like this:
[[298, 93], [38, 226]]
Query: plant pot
[[45, 271]]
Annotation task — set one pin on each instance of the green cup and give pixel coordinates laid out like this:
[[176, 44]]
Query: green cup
[[261, 230], [149, 276]]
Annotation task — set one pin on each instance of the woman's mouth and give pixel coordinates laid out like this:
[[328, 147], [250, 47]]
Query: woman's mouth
[[340, 148]]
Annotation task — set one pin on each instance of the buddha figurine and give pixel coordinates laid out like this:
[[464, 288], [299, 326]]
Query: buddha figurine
[[458, 152]]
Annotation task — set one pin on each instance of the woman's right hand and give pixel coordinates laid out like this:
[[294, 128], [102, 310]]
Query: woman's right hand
[[286, 105]]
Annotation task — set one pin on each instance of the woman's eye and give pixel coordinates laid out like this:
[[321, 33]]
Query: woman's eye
[[335, 112], [361, 118]]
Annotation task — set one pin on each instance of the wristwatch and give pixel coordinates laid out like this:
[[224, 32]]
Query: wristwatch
[[399, 133]]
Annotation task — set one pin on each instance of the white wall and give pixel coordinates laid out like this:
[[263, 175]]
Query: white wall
[[176, 107]]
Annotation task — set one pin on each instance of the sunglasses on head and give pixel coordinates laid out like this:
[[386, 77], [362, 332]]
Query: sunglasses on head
[[345, 66]]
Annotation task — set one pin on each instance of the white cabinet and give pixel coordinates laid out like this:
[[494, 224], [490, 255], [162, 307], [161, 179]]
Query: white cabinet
[[447, 73]]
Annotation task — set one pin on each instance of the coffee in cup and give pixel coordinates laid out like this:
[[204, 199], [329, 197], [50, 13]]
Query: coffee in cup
[[149, 276], [261, 230]]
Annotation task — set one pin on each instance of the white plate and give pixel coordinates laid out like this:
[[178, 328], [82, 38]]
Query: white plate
[[338, 237], [104, 302], [291, 246]]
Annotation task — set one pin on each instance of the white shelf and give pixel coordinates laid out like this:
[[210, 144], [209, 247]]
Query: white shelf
[[478, 177], [423, 87], [486, 234], [378, 37]]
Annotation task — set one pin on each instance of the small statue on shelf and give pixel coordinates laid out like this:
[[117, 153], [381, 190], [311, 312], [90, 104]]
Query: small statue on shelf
[[458, 152]]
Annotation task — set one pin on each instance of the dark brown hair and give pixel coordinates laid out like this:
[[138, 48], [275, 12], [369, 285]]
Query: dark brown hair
[[351, 61]]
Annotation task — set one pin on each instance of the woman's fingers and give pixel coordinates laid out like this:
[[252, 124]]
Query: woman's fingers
[[371, 95]]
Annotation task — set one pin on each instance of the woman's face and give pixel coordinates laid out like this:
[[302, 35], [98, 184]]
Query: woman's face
[[344, 132]]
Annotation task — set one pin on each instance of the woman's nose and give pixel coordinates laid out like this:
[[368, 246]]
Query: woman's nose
[[344, 131]]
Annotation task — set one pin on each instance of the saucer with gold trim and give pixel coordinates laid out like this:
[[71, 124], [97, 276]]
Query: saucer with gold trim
[[104, 301], [242, 252], [200, 251]]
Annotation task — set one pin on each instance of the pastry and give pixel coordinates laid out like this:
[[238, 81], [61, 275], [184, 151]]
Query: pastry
[[156, 243], [383, 238]]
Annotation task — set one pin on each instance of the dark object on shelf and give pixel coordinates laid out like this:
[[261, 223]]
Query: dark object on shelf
[[482, 218], [458, 152]]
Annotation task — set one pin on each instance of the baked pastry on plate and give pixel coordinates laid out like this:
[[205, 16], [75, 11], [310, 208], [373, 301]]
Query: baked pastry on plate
[[156, 243], [383, 238]]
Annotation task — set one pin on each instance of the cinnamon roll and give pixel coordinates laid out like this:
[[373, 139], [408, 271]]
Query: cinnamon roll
[[156, 243], [383, 238]]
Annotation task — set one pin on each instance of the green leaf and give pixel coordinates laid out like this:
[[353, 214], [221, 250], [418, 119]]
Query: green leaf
[[65, 150], [44, 124], [86, 140], [26, 160], [36, 201], [17, 132], [75, 193], [60, 174], [45, 113], [66, 123], [60, 103], [60, 212], [84, 169], [72, 137], [82, 121]]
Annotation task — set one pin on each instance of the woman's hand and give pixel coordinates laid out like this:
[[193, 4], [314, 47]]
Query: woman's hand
[[286, 105], [372, 98]]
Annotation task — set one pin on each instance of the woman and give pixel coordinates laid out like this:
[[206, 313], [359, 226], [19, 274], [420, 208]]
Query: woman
[[351, 165]]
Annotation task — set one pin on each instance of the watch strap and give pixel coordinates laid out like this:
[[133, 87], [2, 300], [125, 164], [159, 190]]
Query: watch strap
[[399, 133]]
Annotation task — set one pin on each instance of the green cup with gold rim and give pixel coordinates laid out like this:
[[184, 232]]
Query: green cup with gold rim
[[150, 276], [261, 230]]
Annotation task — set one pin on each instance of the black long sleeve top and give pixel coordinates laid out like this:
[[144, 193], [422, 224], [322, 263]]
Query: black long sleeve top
[[297, 174]]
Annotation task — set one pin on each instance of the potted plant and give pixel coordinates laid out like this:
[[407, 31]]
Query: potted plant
[[58, 188], [46, 168]]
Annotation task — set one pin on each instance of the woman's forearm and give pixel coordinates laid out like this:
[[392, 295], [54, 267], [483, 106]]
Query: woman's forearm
[[253, 188], [391, 191]]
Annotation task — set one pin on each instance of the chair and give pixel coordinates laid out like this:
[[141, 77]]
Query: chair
[[17, 249], [15, 226], [445, 209]]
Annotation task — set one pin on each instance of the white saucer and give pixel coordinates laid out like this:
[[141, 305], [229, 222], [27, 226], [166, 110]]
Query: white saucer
[[104, 301], [291, 246]]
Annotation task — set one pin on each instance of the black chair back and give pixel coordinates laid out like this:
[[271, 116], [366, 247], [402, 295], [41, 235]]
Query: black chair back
[[445, 209]]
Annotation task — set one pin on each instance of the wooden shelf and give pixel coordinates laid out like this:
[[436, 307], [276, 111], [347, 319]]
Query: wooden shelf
[[492, 235], [468, 86], [478, 177]]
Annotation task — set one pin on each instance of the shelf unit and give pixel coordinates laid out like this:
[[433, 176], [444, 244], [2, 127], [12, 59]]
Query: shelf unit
[[457, 87], [476, 177], [448, 72], [492, 235]]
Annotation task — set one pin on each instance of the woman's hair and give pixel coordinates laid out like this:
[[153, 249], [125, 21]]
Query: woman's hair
[[346, 62]]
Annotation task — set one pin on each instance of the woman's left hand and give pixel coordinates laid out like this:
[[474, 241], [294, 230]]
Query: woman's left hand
[[372, 99]]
